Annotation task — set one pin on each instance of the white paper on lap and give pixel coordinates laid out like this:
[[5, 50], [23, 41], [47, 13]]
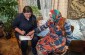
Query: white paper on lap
[[24, 37]]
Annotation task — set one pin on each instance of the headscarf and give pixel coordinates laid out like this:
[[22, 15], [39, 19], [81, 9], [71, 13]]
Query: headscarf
[[58, 19], [56, 15]]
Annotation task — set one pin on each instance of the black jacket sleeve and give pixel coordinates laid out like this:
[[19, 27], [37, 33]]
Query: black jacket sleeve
[[34, 21], [16, 21]]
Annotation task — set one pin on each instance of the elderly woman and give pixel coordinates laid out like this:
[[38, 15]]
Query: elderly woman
[[55, 40]]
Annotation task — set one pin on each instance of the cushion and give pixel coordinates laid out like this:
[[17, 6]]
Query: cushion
[[82, 24], [77, 32]]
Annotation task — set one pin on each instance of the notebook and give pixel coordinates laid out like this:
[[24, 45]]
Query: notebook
[[24, 37]]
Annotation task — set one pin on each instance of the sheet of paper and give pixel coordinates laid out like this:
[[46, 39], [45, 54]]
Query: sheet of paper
[[44, 32], [24, 37]]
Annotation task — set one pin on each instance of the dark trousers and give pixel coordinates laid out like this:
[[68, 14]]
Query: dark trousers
[[34, 42], [24, 45]]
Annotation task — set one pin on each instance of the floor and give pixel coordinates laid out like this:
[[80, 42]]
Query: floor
[[10, 47]]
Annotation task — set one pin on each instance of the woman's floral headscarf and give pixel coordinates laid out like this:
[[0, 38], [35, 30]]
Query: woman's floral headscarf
[[56, 15]]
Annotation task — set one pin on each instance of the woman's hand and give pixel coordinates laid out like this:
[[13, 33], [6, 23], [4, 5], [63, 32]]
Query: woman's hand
[[22, 32], [32, 36], [30, 33]]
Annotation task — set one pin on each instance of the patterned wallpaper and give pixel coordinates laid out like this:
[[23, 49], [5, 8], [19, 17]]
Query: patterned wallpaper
[[76, 9]]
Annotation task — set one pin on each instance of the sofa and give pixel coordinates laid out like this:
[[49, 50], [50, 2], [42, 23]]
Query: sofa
[[79, 28]]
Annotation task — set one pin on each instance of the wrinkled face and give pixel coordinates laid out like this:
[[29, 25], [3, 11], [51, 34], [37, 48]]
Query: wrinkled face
[[50, 14], [51, 17], [27, 15]]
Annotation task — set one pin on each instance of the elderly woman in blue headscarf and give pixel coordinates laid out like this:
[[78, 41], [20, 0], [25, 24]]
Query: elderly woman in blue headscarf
[[55, 40]]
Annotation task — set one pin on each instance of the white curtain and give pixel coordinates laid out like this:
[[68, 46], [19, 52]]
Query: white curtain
[[30, 2], [46, 5]]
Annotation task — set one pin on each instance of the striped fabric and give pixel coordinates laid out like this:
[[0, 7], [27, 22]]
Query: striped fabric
[[52, 42], [67, 27], [69, 34]]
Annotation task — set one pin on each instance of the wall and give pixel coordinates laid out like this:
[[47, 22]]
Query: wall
[[76, 9]]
